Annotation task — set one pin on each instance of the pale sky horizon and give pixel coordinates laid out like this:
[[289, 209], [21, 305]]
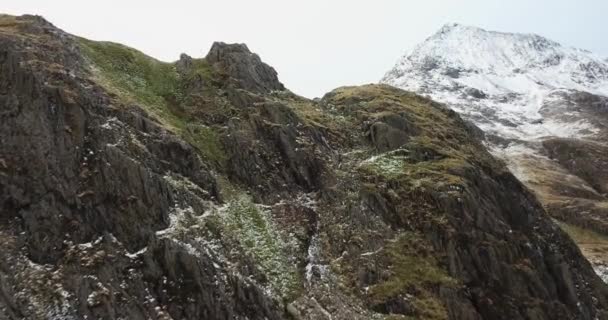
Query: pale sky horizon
[[315, 45]]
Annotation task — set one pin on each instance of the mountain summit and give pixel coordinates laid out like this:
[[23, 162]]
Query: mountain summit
[[502, 80], [543, 108]]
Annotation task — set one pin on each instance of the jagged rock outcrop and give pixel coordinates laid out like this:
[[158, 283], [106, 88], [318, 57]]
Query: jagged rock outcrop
[[202, 189], [243, 67]]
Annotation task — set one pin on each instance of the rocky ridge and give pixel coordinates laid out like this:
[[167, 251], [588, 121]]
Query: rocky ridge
[[132, 188]]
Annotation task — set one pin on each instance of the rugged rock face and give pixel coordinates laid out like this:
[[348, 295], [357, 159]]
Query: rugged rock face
[[202, 189], [543, 108], [244, 67]]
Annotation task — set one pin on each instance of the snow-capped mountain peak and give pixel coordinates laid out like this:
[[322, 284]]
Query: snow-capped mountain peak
[[501, 81], [475, 48]]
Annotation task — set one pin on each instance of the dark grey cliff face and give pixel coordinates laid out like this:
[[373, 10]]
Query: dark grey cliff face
[[83, 183], [217, 194]]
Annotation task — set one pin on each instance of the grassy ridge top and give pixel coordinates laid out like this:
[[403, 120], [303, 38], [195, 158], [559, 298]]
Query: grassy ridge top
[[154, 85]]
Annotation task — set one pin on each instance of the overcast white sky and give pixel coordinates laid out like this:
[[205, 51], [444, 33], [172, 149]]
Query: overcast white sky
[[315, 45]]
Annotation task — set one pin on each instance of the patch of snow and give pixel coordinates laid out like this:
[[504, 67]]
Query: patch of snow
[[371, 253], [136, 254], [85, 246], [602, 271], [110, 123], [176, 217], [314, 261], [313, 257]]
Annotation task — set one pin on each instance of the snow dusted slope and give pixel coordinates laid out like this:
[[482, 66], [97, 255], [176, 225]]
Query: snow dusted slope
[[543, 108], [502, 81]]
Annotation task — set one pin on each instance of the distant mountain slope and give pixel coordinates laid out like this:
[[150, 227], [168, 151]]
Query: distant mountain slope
[[542, 106]]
